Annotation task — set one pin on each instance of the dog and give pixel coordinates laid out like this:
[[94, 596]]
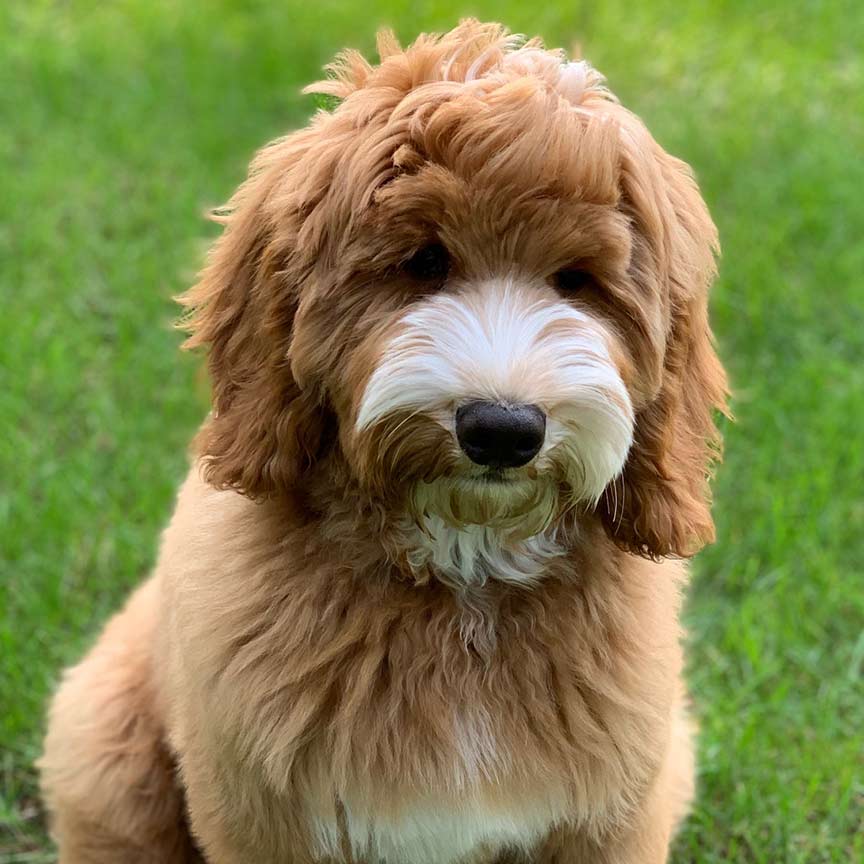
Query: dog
[[419, 599]]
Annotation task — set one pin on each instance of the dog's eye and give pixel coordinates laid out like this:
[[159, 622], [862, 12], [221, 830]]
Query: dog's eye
[[572, 280], [430, 264]]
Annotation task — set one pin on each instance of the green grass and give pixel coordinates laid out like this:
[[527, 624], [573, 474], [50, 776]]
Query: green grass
[[121, 122]]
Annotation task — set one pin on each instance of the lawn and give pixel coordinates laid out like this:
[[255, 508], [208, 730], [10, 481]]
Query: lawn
[[120, 123]]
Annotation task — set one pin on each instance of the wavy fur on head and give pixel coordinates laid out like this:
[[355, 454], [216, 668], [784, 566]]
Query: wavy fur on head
[[360, 643]]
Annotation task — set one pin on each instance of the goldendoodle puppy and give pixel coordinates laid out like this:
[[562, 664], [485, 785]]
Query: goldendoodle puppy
[[418, 603]]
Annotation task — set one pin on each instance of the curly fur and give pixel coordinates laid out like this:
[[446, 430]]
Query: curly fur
[[355, 648]]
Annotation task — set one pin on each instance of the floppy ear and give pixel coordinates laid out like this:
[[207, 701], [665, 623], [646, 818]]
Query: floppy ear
[[660, 506], [264, 431]]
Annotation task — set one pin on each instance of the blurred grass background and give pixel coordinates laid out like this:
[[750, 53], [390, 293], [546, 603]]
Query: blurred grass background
[[120, 122]]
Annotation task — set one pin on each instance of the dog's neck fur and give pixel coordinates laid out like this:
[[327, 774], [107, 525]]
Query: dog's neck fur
[[471, 555], [463, 557]]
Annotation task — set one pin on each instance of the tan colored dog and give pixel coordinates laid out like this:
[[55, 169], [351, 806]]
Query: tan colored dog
[[413, 607]]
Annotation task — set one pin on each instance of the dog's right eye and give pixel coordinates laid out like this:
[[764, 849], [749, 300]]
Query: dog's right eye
[[429, 264], [573, 280]]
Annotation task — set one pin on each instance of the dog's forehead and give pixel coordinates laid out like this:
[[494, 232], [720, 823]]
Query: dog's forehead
[[521, 140], [525, 162]]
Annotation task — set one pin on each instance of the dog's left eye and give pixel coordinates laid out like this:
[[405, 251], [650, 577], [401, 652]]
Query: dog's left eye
[[572, 280], [430, 264]]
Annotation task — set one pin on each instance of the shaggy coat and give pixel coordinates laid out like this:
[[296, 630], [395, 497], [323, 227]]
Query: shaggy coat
[[358, 645]]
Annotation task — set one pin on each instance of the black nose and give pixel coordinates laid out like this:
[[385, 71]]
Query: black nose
[[501, 436]]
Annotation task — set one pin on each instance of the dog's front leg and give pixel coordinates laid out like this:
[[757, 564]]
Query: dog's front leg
[[645, 838], [107, 774], [236, 820]]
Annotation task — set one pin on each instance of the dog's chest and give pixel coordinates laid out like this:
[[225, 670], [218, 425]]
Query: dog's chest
[[498, 768], [395, 737], [401, 756], [440, 825]]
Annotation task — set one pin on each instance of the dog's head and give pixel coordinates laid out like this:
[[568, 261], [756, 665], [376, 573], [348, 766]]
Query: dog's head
[[480, 286]]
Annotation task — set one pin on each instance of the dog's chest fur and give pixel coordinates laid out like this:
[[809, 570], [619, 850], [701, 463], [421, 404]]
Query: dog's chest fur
[[404, 825], [429, 754], [397, 740], [369, 714], [430, 786]]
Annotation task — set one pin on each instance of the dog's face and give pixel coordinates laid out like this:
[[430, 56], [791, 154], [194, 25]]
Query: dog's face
[[481, 286]]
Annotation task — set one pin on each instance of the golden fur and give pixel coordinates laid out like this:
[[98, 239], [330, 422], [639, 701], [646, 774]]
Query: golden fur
[[325, 692]]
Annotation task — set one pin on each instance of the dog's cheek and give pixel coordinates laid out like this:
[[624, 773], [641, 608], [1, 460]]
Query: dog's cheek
[[390, 458], [352, 370]]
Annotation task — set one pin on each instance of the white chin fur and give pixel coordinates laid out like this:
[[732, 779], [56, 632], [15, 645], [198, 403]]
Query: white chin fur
[[470, 555], [500, 341]]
